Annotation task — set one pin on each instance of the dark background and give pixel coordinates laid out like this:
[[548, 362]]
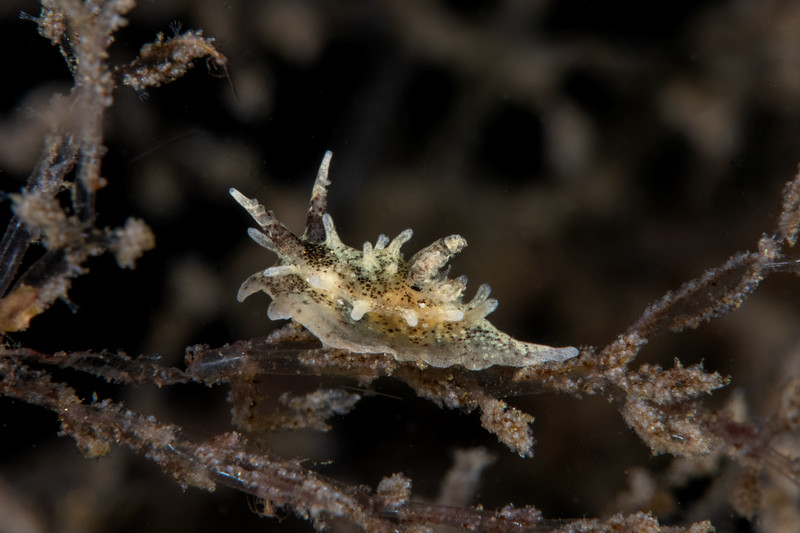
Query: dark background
[[594, 155]]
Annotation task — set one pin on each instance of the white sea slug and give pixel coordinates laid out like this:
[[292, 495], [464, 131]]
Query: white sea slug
[[374, 301]]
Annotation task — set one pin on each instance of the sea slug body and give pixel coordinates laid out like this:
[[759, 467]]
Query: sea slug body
[[373, 300]]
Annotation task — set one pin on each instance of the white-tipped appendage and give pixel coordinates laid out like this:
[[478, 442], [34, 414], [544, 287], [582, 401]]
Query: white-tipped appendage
[[486, 307], [332, 239], [400, 240], [241, 199], [262, 239], [452, 315], [382, 241], [481, 295], [368, 257], [322, 180], [256, 210], [280, 270], [481, 305]]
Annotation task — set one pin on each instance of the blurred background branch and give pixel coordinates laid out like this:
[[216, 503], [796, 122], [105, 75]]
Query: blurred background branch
[[594, 156]]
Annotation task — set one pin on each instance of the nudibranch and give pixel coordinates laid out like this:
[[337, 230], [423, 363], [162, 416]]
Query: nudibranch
[[373, 300]]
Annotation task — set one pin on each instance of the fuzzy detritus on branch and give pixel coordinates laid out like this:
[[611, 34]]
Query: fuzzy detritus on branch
[[72, 155], [228, 459], [167, 59]]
